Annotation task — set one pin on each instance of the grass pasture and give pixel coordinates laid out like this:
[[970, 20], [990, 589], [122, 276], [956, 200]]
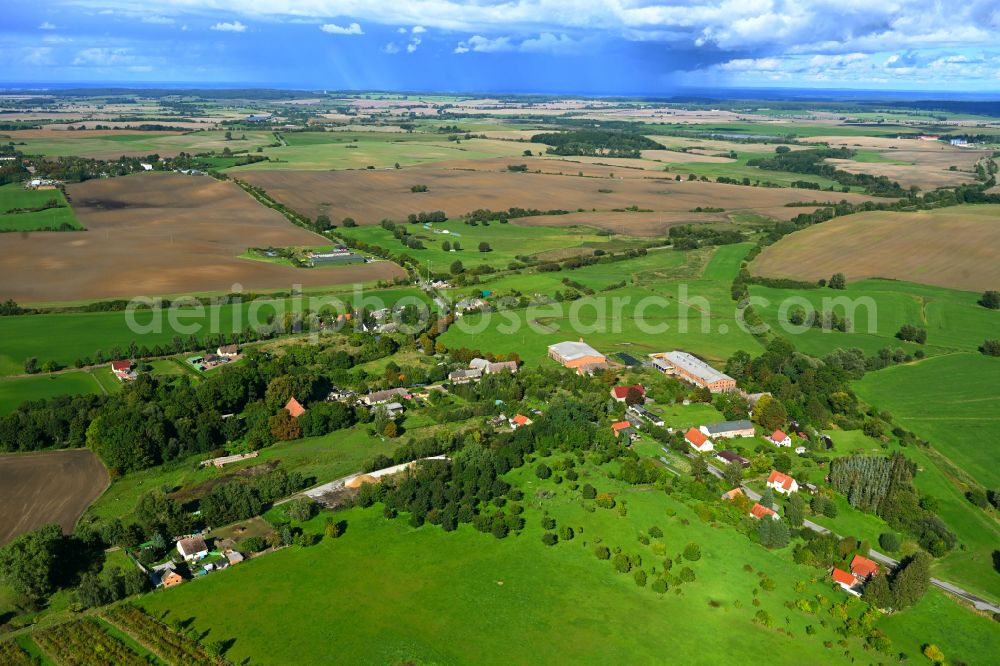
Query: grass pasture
[[111, 144], [400, 589], [15, 390], [661, 308], [14, 196], [951, 401], [878, 308], [950, 247]]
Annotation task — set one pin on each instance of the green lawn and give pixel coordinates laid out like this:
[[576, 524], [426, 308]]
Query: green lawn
[[14, 195], [951, 401], [388, 593], [878, 308], [15, 390], [382, 150], [67, 336], [659, 309]]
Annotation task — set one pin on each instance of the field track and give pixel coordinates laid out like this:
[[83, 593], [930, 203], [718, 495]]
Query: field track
[[47, 487]]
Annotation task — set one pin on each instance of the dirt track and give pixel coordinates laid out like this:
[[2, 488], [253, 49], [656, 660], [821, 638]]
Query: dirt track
[[456, 188], [47, 487], [161, 234]]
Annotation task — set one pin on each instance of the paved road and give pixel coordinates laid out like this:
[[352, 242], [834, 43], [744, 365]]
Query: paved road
[[978, 602]]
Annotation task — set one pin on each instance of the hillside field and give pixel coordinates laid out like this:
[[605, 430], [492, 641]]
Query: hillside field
[[14, 391], [14, 196], [951, 247]]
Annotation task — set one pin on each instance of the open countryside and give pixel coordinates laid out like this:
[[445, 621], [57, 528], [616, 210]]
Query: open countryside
[[347, 371]]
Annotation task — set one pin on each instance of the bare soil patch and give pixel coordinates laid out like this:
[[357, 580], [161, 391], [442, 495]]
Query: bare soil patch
[[952, 247], [47, 487], [370, 196], [161, 234]]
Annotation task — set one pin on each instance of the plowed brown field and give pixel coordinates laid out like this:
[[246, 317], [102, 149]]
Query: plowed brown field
[[161, 234]]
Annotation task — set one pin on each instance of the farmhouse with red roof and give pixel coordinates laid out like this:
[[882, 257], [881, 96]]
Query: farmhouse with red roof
[[863, 568], [620, 393], [782, 483], [779, 438], [520, 420], [697, 439], [122, 370], [846, 581], [295, 408], [760, 511]]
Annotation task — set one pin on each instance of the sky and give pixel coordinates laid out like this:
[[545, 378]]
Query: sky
[[598, 47]]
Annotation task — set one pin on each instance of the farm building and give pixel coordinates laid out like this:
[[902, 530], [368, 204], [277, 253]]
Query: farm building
[[234, 557], [847, 581], [295, 408], [192, 548], [575, 354], [623, 428], [165, 575], [779, 438], [122, 370], [729, 429], [863, 568], [464, 376], [697, 439], [653, 418], [732, 494], [694, 370], [620, 393], [228, 351], [782, 483], [380, 397], [394, 409], [760, 511], [730, 457], [520, 420]]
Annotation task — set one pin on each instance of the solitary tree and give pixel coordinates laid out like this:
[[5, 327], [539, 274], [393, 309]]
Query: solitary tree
[[990, 299], [837, 281], [484, 247]]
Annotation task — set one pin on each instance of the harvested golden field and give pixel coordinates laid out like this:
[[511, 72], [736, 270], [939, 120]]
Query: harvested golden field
[[161, 234], [372, 195], [952, 247], [47, 487]]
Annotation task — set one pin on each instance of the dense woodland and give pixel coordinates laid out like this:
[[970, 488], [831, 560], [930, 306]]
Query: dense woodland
[[597, 143]]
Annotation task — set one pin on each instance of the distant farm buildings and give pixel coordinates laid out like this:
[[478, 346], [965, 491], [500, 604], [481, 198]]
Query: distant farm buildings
[[694, 370], [578, 356], [729, 429]]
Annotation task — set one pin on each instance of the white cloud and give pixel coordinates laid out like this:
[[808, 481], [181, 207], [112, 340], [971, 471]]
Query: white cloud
[[390, 48], [412, 46], [158, 20], [234, 26], [480, 44], [334, 29], [544, 43], [45, 25], [103, 57], [401, 31], [417, 29], [37, 56]]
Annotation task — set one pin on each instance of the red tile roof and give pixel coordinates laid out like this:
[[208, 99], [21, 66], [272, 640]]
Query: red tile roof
[[862, 567], [844, 578], [521, 419], [696, 437], [295, 408], [778, 436], [735, 492], [783, 480], [761, 511], [621, 392], [121, 366], [621, 425]]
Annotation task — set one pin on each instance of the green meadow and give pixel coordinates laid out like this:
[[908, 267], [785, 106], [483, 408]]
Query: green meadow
[[359, 150], [14, 195], [113, 145], [506, 241], [659, 309], [877, 309], [951, 401], [388, 593], [15, 390], [67, 336]]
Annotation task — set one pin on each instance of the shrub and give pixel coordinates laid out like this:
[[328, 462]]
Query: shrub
[[640, 578], [253, 544], [550, 539], [660, 586], [655, 532], [548, 523], [692, 552], [622, 563], [687, 575], [606, 501], [566, 533], [602, 552], [543, 471], [889, 541], [589, 492]]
